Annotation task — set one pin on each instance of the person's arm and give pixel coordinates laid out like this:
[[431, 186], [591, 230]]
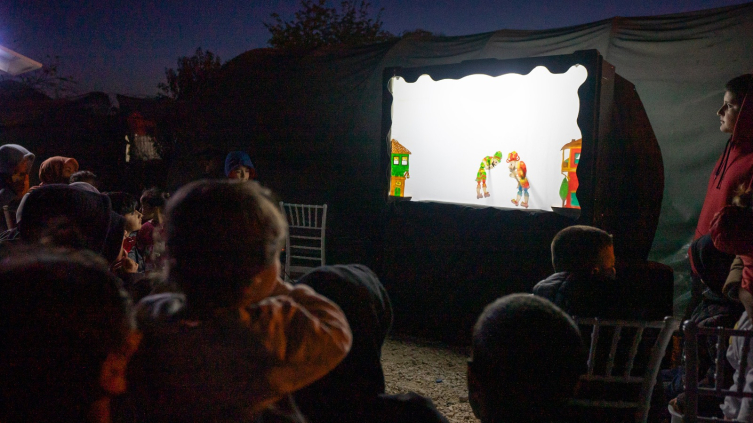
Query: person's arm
[[306, 334], [732, 230]]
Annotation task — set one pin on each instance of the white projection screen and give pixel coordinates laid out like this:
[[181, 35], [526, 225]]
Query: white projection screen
[[449, 126]]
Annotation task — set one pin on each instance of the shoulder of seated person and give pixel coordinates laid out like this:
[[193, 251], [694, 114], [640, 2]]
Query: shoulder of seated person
[[551, 280]]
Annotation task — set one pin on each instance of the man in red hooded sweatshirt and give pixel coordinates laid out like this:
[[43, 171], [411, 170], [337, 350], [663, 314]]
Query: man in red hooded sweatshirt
[[734, 167]]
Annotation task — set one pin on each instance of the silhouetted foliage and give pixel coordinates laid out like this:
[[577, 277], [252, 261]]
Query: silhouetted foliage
[[317, 25], [420, 34], [47, 79], [193, 74]]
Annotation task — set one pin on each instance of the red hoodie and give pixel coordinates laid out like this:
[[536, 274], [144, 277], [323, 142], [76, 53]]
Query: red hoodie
[[733, 168]]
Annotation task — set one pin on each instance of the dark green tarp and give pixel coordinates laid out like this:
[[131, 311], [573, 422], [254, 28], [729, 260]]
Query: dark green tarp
[[314, 121]]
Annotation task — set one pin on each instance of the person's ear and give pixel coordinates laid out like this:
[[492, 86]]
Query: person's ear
[[262, 284], [112, 377], [474, 391]]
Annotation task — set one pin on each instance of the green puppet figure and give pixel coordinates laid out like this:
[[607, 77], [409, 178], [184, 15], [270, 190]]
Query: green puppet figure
[[487, 163]]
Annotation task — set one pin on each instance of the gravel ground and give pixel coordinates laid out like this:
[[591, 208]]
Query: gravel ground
[[432, 370]]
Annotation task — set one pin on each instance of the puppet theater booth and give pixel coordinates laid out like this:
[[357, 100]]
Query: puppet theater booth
[[487, 160], [319, 132]]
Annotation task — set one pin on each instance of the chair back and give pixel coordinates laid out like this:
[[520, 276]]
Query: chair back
[[692, 390], [305, 243], [624, 355]]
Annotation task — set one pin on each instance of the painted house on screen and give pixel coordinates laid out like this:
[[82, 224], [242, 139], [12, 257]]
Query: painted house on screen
[[400, 164]]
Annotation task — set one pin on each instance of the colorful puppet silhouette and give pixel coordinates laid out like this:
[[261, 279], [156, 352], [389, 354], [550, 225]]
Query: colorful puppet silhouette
[[487, 163], [518, 172], [570, 159], [399, 171]]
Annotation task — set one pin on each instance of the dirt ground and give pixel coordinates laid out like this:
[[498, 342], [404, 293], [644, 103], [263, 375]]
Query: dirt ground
[[432, 370]]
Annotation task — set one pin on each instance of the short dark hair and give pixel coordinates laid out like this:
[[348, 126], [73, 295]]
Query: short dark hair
[[63, 313], [578, 248], [220, 234], [83, 176], [527, 356], [740, 86], [123, 203], [154, 197]]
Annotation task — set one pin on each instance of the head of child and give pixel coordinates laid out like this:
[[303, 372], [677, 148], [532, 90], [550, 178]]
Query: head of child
[[584, 249], [84, 176], [153, 202], [526, 358], [71, 216], [223, 244], [735, 91], [126, 205], [71, 301], [239, 166]]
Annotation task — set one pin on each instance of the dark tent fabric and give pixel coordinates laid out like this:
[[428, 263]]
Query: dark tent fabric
[[312, 125]]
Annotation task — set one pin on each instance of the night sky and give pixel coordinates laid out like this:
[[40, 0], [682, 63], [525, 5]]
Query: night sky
[[124, 46]]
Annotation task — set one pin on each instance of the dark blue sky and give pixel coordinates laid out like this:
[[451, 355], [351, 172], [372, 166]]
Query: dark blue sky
[[125, 46]]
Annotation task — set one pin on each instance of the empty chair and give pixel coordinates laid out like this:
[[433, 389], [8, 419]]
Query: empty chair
[[623, 364], [304, 246], [693, 392]]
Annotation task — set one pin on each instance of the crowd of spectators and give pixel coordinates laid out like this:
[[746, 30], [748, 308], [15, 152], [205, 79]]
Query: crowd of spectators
[[170, 307]]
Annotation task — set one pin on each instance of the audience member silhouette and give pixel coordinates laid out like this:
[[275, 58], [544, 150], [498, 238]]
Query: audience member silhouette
[[354, 391], [15, 165], [526, 358], [66, 336], [583, 283], [85, 176], [236, 339], [72, 216]]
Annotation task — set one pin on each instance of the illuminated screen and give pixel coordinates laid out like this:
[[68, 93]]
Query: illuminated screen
[[505, 141]]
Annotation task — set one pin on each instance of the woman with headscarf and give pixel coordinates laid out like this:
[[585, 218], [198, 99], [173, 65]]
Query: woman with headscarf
[[15, 164], [354, 390], [57, 170]]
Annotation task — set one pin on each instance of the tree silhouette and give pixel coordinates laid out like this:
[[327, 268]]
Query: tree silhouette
[[317, 25], [193, 74], [47, 80]]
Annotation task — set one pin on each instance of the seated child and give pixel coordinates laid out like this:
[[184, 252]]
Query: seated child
[[239, 166], [236, 339], [127, 206], [75, 215], [526, 359], [583, 282], [85, 176], [66, 337], [354, 391], [150, 238]]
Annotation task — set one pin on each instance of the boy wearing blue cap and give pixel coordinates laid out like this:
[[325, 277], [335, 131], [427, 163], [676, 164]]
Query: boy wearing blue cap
[[239, 166]]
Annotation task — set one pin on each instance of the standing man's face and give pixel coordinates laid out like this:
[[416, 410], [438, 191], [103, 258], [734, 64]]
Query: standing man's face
[[728, 113]]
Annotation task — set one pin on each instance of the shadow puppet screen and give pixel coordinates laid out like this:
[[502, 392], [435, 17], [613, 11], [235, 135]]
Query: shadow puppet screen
[[505, 141]]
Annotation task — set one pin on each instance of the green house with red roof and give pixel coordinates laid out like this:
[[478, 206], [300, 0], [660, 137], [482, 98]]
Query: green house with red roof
[[399, 169]]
